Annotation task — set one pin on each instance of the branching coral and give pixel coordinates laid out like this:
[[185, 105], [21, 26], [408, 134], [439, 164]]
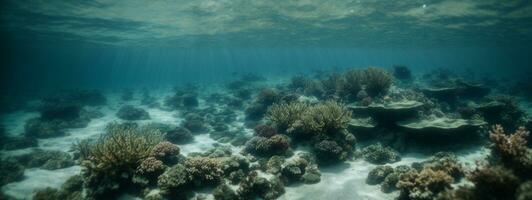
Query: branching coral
[[512, 148], [447, 162], [378, 81], [494, 182], [426, 184], [326, 118], [283, 115], [374, 81], [111, 161], [123, 146], [354, 81]]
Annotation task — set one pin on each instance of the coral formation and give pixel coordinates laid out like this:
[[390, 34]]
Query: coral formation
[[254, 186], [10, 171], [46, 159], [111, 161], [204, 170], [512, 149], [378, 174], [425, 184], [129, 112], [275, 145], [165, 151], [284, 115], [402, 72], [378, 154]]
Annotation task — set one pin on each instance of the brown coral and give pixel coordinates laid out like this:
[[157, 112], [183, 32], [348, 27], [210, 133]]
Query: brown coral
[[164, 150], [512, 149], [423, 185], [150, 165], [204, 170]]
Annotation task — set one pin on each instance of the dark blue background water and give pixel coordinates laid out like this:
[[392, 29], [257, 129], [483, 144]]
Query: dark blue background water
[[43, 65]]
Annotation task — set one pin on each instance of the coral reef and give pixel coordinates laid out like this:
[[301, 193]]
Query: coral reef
[[284, 115], [46, 159], [110, 162], [328, 151], [204, 170], [327, 118], [195, 123], [425, 184], [275, 145], [129, 112], [254, 186], [378, 174], [374, 81], [10, 171], [378, 154], [70, 190], [256, 110], [179, 135], [512, 149], [12, 143], [494, 182], [174, 181], [165, 151], [402, 72]]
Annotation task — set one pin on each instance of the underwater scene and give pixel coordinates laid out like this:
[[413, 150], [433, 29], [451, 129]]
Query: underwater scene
[[256, 99]]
